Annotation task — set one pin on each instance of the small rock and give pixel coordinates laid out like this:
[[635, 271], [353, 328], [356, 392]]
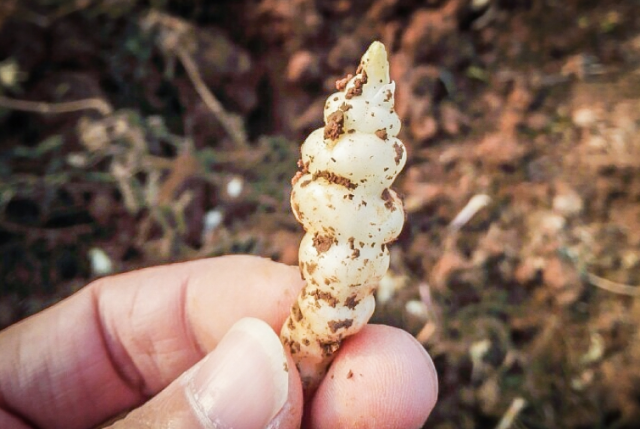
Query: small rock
[[584, 117], [235, 187], [101, 263], [417, 309], [567, 202], [212, 220]]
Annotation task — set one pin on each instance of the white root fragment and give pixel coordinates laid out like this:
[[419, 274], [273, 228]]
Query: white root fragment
[[475, 204], [342, 198]]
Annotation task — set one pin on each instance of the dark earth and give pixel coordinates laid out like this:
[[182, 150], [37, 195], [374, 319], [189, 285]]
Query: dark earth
[[144, 132]]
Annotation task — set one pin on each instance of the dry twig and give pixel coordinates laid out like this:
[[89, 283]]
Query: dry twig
[[176, 39], [475, 204], [512, 413], [608, 285], [230, 124], [98, 104]]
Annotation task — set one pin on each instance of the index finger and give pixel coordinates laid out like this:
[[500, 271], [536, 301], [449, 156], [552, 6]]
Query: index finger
[[122, 339]]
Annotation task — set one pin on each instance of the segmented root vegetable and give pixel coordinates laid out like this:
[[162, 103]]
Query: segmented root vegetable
[[342, 198]]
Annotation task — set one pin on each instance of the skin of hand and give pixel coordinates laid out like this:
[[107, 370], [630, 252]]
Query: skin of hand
[[187, 346]]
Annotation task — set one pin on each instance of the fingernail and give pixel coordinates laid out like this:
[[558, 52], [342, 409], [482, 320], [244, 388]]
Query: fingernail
[[244, 382]]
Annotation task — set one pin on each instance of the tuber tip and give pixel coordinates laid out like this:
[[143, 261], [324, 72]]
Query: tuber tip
[[375, 63]]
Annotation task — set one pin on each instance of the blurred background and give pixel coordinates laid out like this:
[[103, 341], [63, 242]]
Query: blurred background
[[136, 133]]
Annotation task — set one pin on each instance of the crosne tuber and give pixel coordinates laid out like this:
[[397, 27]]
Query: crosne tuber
[[341, 196]]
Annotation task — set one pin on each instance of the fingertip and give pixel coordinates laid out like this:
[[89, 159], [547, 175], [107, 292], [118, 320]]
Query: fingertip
[[381, 378], [244, 382], [225, 289]]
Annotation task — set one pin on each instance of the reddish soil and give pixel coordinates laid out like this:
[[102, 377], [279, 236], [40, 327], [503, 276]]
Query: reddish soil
[[533, 104]]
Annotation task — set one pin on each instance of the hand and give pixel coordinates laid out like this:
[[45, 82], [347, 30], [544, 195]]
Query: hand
[[167, 340]]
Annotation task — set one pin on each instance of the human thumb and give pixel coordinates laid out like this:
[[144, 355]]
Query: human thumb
[[242, 383]]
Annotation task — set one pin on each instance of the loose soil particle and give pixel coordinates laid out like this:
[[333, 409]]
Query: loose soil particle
[[335, 125]]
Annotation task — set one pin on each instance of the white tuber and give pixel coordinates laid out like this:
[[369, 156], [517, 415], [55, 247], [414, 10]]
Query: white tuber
[[342, 198]]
